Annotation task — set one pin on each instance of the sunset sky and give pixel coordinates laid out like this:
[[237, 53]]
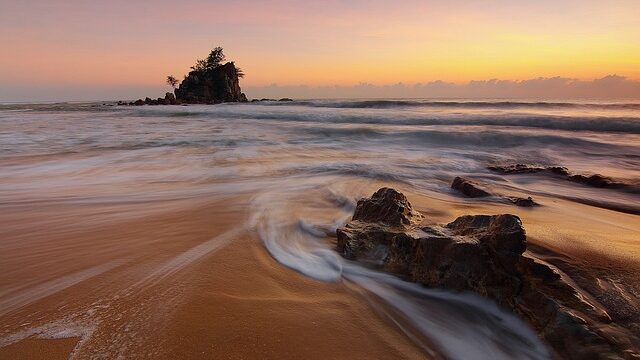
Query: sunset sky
[[68, 49]]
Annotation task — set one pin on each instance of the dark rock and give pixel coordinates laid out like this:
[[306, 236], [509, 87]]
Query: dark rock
[[528, 169], [386, 206], [285, 99], [518, 201], [212, 86], [468, 187], [596, 180], [170, 98], [483, 254], [558, 170], [139, 102], [515, 169]]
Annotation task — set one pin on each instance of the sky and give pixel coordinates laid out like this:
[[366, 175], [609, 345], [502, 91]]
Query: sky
[[109, 50]]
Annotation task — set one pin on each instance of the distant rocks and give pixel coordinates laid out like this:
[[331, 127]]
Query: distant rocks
[[267, 99], [528, 169], [595, 180], [486, 255], [169, 99], [472, 189]]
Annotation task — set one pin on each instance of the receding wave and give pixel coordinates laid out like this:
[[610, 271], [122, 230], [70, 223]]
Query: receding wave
[[461, 325]]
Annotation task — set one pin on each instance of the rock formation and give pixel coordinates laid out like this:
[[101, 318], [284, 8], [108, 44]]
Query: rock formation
[[486, 255], [211, 86], [209, 82]]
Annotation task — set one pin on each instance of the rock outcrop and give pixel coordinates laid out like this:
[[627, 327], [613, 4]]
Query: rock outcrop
[[594, 180], [217, 85], [483, 254]]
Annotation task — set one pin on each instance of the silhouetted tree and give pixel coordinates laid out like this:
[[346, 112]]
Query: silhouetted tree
[[201, 65], [239, 72], [172, 81], [216, 56], [215, 59]]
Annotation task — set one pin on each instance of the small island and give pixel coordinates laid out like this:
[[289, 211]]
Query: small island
[[210, 81]]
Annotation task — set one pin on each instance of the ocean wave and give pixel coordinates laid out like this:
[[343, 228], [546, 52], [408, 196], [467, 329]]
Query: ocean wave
[[605, 124], [449, 138], [385, 104]]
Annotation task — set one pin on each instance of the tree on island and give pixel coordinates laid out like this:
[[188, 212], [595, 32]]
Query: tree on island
[[214, 60], [211, 80], [172, 81]]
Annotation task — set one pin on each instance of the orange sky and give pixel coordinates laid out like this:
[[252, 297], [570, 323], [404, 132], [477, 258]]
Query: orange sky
[[119, 44]]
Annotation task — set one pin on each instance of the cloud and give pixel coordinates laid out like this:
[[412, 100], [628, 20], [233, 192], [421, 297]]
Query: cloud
[[608, 87]]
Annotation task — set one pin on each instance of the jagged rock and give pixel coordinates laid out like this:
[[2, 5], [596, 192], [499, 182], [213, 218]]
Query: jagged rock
[[483, 254], [217, 85], [285, 99], [468, 187], [386, 206], [139, 102]]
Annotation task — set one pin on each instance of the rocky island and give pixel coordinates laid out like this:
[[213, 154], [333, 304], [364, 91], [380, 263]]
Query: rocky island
[[210, 81]]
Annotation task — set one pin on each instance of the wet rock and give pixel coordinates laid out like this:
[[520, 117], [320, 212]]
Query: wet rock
[[468, 187], [484, 254], [528, 169], [285, 99], [595, 180], [139, 102], [386, 206], [522, 202]]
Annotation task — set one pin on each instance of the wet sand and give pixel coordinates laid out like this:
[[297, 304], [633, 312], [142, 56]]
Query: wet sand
[[170, 291]]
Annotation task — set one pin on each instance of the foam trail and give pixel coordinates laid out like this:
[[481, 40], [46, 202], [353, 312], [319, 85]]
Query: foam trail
[[190, 256], [461, 325], [33, 294]]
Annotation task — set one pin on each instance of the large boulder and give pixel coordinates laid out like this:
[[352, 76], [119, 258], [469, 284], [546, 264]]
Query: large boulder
[[484, 254]]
